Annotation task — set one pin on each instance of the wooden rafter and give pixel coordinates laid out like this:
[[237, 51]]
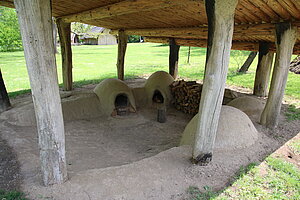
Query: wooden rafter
[[7, 3], [261, 31], [121, 8]]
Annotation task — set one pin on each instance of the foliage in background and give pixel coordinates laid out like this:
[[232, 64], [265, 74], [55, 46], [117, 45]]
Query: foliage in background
[[134, 38], [80, 28], [10, 37], [238, 57]]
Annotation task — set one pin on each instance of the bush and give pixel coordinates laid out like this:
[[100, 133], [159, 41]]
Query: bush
[[10, 37]]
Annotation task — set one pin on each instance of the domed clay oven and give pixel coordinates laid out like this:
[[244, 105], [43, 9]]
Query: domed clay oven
[[115, 97], [157, 88]]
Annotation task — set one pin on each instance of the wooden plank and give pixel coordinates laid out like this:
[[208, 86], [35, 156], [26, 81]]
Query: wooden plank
[[36, 30], [121, 8], [4, 99], [173, 58], [6, 3], [263, 70], [236, 45], [286, 37], [122, 45], [220, 14], [64, 31], [240, 31]]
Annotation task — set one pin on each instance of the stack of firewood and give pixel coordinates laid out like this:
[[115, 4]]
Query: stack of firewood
[[186, 95]]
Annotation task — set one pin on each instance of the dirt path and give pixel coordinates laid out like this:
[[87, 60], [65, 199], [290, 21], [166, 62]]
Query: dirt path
[[10, 178]]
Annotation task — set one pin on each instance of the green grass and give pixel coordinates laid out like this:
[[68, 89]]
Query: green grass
[[280, 180], [292, 113], [12, 195], [295, 146], [98, 62]]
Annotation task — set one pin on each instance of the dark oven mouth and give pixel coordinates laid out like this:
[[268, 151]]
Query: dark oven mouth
[[157, 97], [122, 104]]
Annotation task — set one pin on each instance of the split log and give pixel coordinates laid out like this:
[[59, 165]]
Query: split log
[[295, 65], [64, 31], [285, 40], [122, 45], [4, 99], [220, 15], [173, 58], [248, 62], [36, 29], [187, 95], [263, 70]]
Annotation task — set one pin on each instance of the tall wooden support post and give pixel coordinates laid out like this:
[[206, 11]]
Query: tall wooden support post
[[285, 40], [263, 70], [64, 31], [122, 45], [173, 58], [4, 99], [220, 14], [37, 36]]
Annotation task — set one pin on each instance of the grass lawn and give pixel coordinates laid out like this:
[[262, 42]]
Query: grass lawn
[[93, 63]]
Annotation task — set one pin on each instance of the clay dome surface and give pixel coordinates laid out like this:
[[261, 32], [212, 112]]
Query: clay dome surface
[[108, 90], [159, 81], [235, 130], [252, 106]]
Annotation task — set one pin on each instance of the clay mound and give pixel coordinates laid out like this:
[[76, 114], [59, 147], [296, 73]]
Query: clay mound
[[252, 106], [235, 130], [76, 106], [159, 81], [108, 90]]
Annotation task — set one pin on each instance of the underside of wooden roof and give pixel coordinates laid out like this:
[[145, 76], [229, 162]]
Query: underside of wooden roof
[[182, 19]]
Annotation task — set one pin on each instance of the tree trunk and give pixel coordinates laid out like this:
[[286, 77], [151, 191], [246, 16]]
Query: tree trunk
[[248, 62], [122, 45], [64, 31], [189, 55], [263, 70], [37, 36], [173, 58], [220, 31], [4, 99], [285, 40]]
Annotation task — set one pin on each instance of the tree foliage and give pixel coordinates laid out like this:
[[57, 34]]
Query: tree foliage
[[10, 37], [80, 28]]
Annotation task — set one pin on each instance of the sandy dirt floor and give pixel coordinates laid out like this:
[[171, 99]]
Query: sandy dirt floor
[[131, 157]]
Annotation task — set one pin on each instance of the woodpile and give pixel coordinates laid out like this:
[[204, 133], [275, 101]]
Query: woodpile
[[187, 95], [295, 65]]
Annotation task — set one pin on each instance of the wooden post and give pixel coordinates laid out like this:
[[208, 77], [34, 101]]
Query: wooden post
[[248, 62], [37, 36], [4, 99], [220, 15], [64, 31], [285, 40], [122, 45], [263, 70], [173, 58]]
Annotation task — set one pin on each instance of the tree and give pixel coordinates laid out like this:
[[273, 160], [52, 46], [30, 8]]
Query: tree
[[80, 28], [10, 37]]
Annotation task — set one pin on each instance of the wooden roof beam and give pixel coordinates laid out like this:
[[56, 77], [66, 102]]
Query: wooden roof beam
[[236, 45], [240, 31], [121, 8], [7, 3]]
